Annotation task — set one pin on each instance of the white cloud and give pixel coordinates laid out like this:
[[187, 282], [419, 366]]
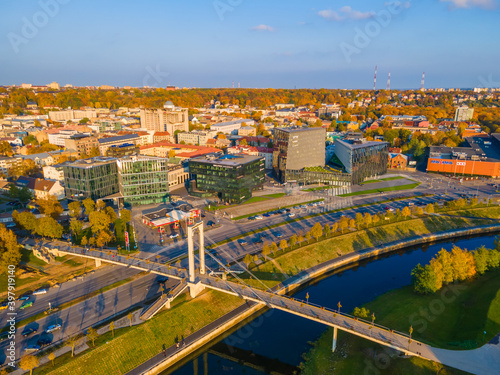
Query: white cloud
[[404, 5], [345, 13], [485, 4], [263, 28]]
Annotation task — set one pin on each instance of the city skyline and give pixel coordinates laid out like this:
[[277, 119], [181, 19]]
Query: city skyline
[[254, 45]]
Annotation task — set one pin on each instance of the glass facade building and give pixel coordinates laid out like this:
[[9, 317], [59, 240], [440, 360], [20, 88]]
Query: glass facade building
[[231, 177], [143, 180], [362, 159], [91, 178], [297, 148]]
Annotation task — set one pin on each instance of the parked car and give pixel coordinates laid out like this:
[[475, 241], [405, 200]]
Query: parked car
[[52, 328], [161, 280], [26, 304], [251, 218], [32, 348], [44, 341], [24, 298], [174, 235], [277, 234], [257, 240], [267, 215], [291, 214], [28, 331], [258, 217], [242, 242], [40, 291]]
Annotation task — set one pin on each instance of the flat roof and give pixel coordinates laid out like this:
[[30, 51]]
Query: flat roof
[[480, 148], [92, 162], [354, 146], [295, 129], [228, 160]]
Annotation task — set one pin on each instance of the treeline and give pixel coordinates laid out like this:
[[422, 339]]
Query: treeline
[[453, 266]]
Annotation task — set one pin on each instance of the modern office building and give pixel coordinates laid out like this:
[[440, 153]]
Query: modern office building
[[133, 180], [464, 114], [126, 149], [231, 127], [143, 180], [106, 143], [297, 148], [91, 178], [82, 143], [362, 159], [169, 119], [231, 178]]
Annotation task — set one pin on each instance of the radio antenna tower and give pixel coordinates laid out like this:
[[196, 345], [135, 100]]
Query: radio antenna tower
[[389, 82], [375, 78], [422, 82]]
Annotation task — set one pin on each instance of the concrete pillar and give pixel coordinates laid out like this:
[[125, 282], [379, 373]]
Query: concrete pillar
[[202, 249], [98, 263], [195, 366], [195, 289], [205, 363], [191, 254], [334, 344], [167, 305]]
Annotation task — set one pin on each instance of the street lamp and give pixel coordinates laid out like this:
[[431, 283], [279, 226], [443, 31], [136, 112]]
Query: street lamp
[[338, 307]]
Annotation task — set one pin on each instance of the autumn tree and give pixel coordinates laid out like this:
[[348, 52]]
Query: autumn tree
[[75, 227], [125, 215], [100, 205], [463, 264], [48, 227], [75, 209], [375, 219], [112, 328], [406, 212], [317, 231], [92, 335], [266, 251], [334, 227], [274, 247], [283, 245], [343, 223], [71, 342], [130, 317], [248, 259], [326, 229], [9, 248], [111, 214], [429, 208], [352, 224], [308, 237], [25, 220], [293, 240], [50, 206], [89, 205], [29, 363], [51, 357], [367, 218], [99, 221], [359, 220]]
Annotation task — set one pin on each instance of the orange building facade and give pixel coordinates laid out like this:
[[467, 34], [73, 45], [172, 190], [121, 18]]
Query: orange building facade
[[464, 167]]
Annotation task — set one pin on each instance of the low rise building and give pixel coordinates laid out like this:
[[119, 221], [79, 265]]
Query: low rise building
[[106, 143], [231, 127], [197, 138], [82, 143], [41, 188]]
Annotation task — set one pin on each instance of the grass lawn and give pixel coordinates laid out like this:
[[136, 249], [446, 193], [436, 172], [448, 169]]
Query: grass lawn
[[383, 179], [300, 259], [27, 257], [133, 346], [470, 308], [491, 212], [391, 188], [355, 355]]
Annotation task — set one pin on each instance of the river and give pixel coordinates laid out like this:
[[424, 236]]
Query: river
[[278, 339]]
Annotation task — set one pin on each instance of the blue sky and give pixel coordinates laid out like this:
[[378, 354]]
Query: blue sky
[[258, 43]]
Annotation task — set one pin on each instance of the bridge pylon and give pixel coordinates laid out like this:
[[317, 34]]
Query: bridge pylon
[[195, 286]]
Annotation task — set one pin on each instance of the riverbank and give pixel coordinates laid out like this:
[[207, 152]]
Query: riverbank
[[455, 318]]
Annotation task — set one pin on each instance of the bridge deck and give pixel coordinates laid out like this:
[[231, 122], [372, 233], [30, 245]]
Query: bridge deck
[[372, 332], [163, 300]]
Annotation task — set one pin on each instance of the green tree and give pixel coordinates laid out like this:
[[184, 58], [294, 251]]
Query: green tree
[[98, 221], [317, 231], [29, 363], [75, 209], [112, 328], [92, 335], [84, 241], [89, 205], [343, 223], [362, 312], [481, 257], [359, 220], [326, 229], [274, 248], [25, 220], [71, 342], [266, 251], [429, 208], [24, 195], [75, 227], [50, 206], [424, 279], [293, 240]]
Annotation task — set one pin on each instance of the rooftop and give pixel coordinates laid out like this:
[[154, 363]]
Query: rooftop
[[295, 129], [118, 138], [227, 160], [353, 145]]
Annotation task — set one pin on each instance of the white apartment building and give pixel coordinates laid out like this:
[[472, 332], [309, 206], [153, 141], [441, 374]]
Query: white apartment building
[[71, 114], [169, 119], [231, 127]]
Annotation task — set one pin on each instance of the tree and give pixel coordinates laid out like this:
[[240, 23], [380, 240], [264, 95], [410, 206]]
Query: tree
[[326, 229], [375, 219], [24, 195], [248, 259], [362, 313], [462, 263], [99, 221], [71, 342], [308, 237], [317, 231], [111, 214], [75, 209], [444, 257], [406, 212], [368, 219], [343, 223], [334, 227], [112, 327], [50, 206], [48, 227], [103, 238], [5, 148], [352, 224], [359, 219], [481, 257], [293, 240], [429, 208], [89, 205], [25, 220], [243, 142], [84, 241], [130, 316], [84, 120], [424, 279], [51, 357], [92, 335], [100, 205], [75, 227], [28, 363], [125, 215], [283, 245], [274, 248], [266, 251]]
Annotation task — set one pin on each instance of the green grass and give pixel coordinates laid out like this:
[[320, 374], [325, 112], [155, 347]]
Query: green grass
[[135, 345], [382, 179], [355, 355], [466, 311], [392, 188], [27, 257], [19, 282]]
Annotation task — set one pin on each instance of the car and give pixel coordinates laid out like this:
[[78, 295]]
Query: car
[[28, 331], [26, 304], [291, 214], [174, 235], [210, 223], [52, 328], [287, 210], [32, 348], [263, 235], [258, 217], [40, 291], [277, 234], [242, 242], [251, 218], [267, 215], [24, 298], [162, 280], [4, 305], [44, 341], [257, 240]]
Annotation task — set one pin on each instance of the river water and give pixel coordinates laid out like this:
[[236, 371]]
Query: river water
[[278, 339]]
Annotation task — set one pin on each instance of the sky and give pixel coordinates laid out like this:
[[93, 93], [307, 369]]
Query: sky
[[253, 43]]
